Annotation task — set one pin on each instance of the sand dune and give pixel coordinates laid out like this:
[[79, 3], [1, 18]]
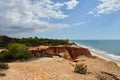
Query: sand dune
[[58, 69]]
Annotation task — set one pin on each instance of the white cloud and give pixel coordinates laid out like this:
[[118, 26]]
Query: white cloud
[[83, 22], [71, 4], [108, 6], [91, 12], [48, 9], [30, 15]]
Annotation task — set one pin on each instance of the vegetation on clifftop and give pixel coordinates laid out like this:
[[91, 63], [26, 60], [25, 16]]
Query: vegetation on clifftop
[[15, 51], [17, 48], [5, 40]]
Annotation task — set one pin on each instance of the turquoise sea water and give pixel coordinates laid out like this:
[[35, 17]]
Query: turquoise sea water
[[110, 48]]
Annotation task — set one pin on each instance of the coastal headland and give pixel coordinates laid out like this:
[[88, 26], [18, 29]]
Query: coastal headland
[[57, 62], [59, 68]]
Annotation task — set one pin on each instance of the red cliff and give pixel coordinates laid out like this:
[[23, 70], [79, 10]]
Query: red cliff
[[68, 52]]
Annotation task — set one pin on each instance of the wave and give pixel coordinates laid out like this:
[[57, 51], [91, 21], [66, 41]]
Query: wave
[[115, 57], [112, 56], [91, 48]]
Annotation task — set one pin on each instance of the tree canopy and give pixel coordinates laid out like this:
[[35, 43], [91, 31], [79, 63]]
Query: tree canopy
[[5, 40]]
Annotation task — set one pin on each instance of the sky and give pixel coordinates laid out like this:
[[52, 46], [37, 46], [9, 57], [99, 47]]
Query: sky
[[61, 19]]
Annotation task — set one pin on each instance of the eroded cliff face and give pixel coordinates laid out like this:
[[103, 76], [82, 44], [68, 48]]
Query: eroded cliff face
[[68, 52]]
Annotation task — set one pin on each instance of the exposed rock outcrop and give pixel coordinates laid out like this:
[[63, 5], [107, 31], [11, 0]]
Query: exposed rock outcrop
[[68, 52]]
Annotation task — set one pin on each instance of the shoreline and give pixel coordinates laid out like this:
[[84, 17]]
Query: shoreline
[[106, 58], [97, 54]]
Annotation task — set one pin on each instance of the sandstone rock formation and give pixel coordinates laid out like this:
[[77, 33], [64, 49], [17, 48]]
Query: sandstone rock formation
[[68, 52]]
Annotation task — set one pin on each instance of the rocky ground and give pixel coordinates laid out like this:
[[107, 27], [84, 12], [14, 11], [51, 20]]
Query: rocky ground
[[61, 69]]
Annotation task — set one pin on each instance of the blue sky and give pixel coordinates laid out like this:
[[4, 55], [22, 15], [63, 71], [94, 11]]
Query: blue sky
[[72, 19]]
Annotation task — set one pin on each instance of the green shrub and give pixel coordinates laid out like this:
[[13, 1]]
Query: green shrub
[[4, 66], [6, 56], [15, 51], [20, 51], [80, 68], [102, 78], [2, 74], [5, 40]]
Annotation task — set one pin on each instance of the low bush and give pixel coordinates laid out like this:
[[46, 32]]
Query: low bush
[[15, 51], [6, 56], [2, 74], [80, 68], [4, 66], [102, 78]]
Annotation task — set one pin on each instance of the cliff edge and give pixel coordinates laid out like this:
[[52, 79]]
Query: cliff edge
[[68, 52]]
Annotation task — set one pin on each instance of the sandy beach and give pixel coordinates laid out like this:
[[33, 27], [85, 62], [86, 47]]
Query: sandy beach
[[104, 57]]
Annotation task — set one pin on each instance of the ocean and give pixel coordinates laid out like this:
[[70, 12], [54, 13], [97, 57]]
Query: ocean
[[110, 48]]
